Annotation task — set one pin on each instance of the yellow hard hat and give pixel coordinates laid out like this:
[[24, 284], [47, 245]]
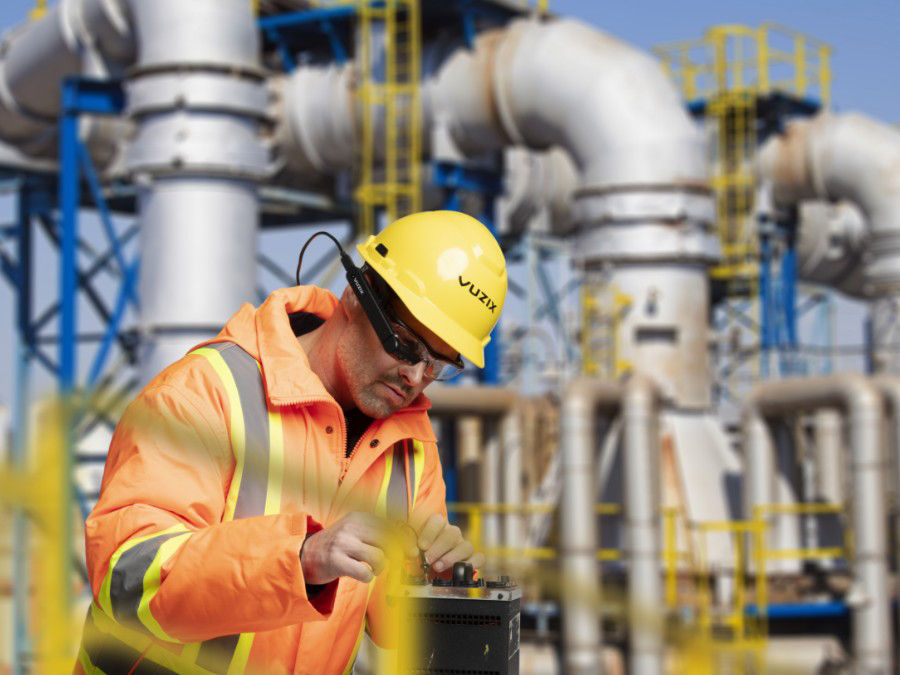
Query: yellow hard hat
[[448, 270]]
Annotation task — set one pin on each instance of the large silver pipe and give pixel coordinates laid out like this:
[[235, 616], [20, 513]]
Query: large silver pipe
[[642, 487], [855, 158], [831, 245], [75, 37], [579, 571], [890, 389], [468, 456], [829, 462], [861, 403], [197, 97], [498, 484]]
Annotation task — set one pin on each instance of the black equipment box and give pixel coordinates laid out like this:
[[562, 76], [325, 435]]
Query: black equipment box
[[464, 626]]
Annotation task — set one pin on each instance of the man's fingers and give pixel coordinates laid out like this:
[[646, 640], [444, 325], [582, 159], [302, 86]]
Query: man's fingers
[[449, 537], [430, 530], [461, 551], [371, 555], [348, 567]]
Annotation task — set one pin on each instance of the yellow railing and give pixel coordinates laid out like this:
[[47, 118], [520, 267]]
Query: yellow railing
[[763, 59], [730, 68], [394, 184], [603, 307], [747, 636], [474, 512], [762, 554], [42, 492], [38, 11]]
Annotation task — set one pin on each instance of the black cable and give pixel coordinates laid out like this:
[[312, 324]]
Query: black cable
[[344, 257]]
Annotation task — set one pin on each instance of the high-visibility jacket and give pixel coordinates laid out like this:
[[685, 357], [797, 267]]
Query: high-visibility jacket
[[216, 473]]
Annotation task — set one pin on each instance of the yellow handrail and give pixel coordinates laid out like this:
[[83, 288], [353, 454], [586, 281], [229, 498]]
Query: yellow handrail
[[762, 554], [38, 11], [475, 510]]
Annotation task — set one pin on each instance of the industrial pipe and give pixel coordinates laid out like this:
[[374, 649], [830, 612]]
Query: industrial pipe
[[852, 157], [831, 242], [890, 389], [75, 37], [860, 402], [505, 404], [580, 574], [197, 97], [468, 457], [829, 462], [640, 464]]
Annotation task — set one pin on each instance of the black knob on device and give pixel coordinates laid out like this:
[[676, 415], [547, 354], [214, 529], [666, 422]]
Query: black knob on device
[[463, 573]]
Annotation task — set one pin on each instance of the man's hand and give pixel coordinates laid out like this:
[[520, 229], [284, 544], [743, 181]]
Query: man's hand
[[352, 547], [443, 544]]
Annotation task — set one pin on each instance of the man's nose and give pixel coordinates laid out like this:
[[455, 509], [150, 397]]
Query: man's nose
[[413, 375]]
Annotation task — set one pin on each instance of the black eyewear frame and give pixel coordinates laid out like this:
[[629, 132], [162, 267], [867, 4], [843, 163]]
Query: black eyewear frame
[[376, 306]]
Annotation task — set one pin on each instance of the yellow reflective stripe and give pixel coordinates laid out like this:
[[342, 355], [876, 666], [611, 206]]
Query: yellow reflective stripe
[[104, 595], [238, 437], [190, 651], [419, 461], [276, 464], [85, 660], [145, 644], [381, 504], [241, 654], [152, 580]]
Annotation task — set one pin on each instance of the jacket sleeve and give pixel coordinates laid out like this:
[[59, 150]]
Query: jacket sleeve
[[159, 556], [381, 623]]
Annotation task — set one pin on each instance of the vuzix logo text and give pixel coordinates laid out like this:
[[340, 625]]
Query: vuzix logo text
[[479, 294]]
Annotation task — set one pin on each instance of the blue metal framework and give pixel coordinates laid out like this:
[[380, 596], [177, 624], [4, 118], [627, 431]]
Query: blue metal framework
[[39, 195], [778, 301], [330, 29]]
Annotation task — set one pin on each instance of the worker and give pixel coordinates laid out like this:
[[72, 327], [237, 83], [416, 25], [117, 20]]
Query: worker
[[251, 487]]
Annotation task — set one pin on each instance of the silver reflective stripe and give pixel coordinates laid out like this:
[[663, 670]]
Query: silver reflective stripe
[[126, 583], [251, 499], [216, 654], [396, 491]]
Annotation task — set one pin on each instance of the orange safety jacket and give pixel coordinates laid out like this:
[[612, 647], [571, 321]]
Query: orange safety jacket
[[216, 473]]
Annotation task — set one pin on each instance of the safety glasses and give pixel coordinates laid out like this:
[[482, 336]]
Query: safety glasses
[[417, 351], [407, 345]]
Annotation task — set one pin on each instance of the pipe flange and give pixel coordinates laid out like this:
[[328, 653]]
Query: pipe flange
[[648, 241], [200, 90], [198, 143], [662, 203]]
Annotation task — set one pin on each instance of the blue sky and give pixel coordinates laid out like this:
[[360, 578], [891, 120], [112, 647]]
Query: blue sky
[[863, 34]]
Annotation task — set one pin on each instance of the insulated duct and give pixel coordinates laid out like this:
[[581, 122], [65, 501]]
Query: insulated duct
[[76, 37], [861, 403], [851, 157], [831, 243], [197, 96]]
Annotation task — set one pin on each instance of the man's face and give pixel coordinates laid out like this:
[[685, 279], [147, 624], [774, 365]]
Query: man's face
[[378, 383]]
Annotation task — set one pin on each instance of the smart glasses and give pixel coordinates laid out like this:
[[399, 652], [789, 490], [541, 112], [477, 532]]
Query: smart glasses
[[397, 339], [437, 367]]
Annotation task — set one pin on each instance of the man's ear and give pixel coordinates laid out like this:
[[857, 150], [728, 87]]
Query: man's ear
[[349, 302]]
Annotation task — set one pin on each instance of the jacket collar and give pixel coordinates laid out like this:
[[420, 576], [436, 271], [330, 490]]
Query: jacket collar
[[265, 333]]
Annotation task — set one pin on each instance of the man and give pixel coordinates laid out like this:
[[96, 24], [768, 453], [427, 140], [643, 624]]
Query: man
[[251, 488]]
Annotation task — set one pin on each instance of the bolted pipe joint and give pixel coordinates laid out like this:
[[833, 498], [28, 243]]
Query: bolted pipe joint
[[198, 100]]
